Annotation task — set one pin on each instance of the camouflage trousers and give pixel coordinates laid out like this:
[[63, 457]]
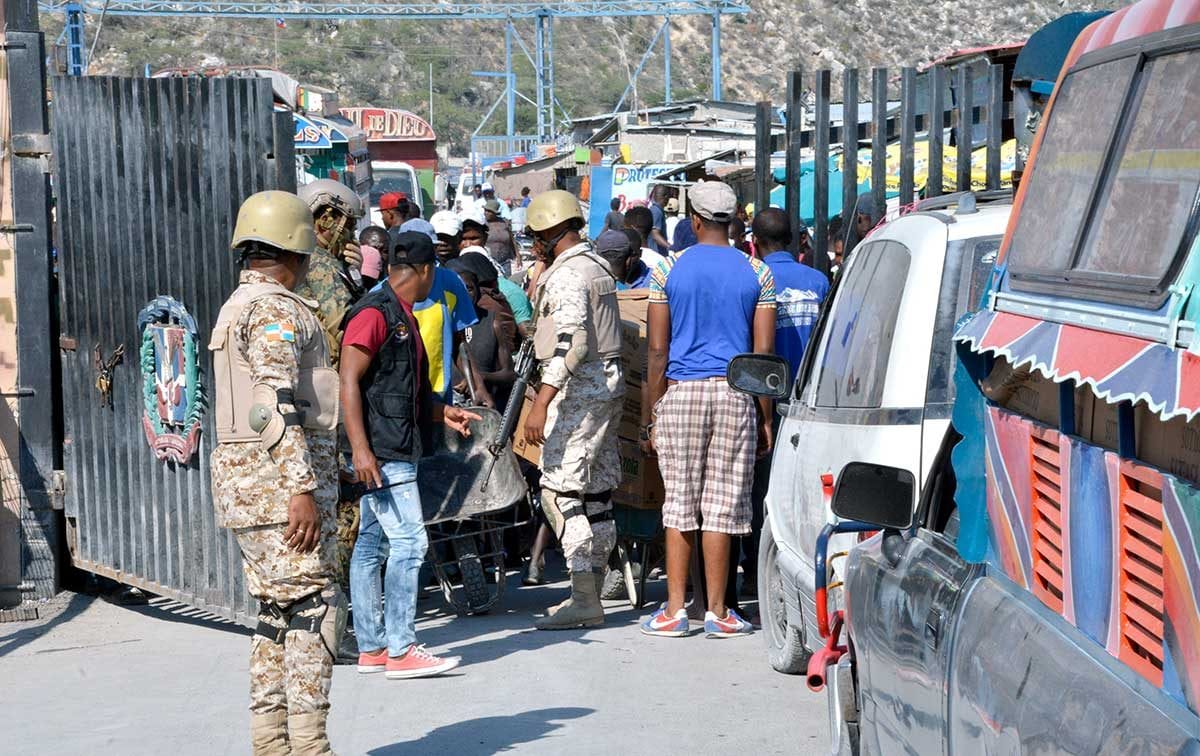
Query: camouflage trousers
[[294, 675], [580, 457]]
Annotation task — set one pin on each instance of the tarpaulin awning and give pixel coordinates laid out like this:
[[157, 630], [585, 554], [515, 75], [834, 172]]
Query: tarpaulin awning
[[1117, 368]]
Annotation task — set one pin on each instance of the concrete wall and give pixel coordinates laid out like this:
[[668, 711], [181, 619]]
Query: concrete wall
[[659, 147]]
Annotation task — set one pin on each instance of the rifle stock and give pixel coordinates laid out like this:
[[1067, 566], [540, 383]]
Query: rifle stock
[[525, 364]]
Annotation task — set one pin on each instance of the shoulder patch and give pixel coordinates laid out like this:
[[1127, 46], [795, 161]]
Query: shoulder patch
[[281, 331]]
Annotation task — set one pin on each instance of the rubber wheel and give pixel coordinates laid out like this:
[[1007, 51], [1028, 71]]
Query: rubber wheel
[[785, 644], [474, 580], [614, 585], [631, 573]]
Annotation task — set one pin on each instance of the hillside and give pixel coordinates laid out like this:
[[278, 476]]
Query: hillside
[[389, 63]]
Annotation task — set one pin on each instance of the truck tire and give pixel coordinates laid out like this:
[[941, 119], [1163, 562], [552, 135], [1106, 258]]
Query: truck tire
[[786, 651]]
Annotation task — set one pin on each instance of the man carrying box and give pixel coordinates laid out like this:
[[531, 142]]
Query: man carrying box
[[577, 341]]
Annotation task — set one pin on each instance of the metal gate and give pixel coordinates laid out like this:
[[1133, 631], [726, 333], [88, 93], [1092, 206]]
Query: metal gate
[[149, 174]]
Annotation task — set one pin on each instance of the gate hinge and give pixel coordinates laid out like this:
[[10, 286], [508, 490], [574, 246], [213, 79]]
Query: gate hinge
[[58, 489], [31, 145]]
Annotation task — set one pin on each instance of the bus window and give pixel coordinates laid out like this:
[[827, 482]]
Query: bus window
[[1146, 204], [1066, 166]]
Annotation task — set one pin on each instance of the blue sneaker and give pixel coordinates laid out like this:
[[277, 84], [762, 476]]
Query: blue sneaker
[[732, 626], [669, 627]]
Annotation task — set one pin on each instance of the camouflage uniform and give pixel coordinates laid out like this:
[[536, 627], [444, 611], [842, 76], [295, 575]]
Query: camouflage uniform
[[326, 285], [580, 453], [251, 490]]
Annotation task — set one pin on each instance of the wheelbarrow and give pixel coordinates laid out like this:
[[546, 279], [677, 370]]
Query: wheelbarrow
[[466, 525], [637, 531]]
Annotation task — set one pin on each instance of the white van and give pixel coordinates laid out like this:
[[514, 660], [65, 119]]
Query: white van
[[876, 386], [393, 176]]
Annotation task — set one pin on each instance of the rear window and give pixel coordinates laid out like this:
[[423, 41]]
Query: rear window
[[862, 326], [1110, 197]]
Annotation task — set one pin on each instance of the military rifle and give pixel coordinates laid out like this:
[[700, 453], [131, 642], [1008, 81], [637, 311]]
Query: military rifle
[[525, 363]]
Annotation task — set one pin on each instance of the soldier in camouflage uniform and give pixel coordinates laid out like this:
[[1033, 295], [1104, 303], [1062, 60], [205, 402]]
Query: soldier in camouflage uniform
[[577, 341], [334, 283], [274, 472]]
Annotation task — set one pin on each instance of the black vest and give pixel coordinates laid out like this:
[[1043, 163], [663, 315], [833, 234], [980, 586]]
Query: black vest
[[397, 414]]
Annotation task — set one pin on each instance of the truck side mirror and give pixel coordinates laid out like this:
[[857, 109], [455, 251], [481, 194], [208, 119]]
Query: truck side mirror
[[876, 494], [758, 375]]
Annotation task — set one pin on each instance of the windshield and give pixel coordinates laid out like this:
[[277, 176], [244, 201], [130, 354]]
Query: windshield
[[1111, 190], [391, 181]]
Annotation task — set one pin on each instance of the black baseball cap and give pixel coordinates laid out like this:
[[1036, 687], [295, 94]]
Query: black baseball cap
[[410, 248]]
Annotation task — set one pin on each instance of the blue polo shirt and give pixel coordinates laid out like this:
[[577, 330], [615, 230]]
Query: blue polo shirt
[[713, 293], [799, 291]]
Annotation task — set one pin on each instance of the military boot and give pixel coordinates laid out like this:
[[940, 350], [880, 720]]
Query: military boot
[[582, 609], [307, 734], [269, 734]]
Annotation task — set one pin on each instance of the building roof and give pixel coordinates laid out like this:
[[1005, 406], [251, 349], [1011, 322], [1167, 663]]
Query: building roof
[[679, 106]]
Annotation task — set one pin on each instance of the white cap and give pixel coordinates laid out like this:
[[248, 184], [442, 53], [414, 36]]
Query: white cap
[[713, 200], [446, 222], [474, 213], [487, 187]]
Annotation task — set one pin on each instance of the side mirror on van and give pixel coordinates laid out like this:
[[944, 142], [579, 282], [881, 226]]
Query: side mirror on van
[[875, 494], [758, 375]]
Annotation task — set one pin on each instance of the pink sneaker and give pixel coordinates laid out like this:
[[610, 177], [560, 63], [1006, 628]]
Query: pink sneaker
[[376, 662], [417, 662]]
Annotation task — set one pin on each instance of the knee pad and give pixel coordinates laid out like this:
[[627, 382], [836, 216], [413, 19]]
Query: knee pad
[[560, 507]]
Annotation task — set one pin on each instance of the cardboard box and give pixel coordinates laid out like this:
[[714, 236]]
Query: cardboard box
[[641, 484], [1172, 446], [633, 304], [531, 453], [1027, 392]]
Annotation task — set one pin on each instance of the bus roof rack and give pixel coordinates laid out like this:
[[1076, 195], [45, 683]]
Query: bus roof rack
[[965, 202]]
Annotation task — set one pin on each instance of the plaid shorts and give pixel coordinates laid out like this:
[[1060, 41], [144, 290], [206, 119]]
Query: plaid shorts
[[706, 435]]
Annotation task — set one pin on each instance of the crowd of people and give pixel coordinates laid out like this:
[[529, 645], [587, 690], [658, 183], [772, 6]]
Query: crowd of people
[[340, 352]]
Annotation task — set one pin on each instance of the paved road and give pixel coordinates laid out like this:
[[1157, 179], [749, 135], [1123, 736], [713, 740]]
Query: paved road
[[161, 679]]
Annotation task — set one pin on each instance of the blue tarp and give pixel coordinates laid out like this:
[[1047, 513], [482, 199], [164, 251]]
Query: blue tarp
[[807, 189]]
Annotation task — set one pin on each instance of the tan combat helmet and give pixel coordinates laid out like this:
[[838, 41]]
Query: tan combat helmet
[[330, 193], [549, 209], [278, 219]]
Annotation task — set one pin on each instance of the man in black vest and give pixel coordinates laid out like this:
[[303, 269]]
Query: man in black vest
[[389, 413]]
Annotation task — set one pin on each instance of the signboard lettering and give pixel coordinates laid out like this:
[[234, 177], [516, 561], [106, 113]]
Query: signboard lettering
[[384, 124]]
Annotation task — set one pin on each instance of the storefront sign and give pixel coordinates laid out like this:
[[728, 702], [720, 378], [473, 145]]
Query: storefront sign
[[310, 135], [632, 182], [382, 124]]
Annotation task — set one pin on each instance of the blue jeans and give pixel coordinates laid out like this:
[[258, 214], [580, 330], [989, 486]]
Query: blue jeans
[[391, 524]]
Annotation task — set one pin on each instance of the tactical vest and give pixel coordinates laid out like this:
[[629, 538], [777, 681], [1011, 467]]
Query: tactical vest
[[316, 391], [397, 401], [604, 316]]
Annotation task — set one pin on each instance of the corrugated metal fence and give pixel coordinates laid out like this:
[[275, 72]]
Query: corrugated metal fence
[[149, 174]]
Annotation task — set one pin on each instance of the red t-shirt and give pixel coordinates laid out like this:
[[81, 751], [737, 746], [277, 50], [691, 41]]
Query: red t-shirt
[[368, 330]]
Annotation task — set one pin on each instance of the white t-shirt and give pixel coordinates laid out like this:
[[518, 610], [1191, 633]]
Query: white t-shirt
[[672, 222], [651, 258]]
